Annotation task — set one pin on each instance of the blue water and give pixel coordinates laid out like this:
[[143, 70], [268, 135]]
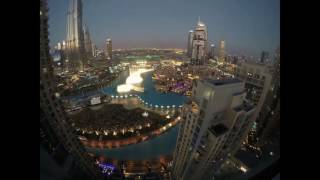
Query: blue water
[[149, 95], [158, 146], [154, 148]]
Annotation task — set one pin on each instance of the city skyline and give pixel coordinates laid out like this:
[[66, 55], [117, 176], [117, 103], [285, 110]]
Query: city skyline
[[141, 107], [247, 27]]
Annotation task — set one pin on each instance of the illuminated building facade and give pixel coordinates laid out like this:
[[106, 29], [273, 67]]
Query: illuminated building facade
[[222, 52], [199, 44], [109, 48], [58, 143], [190, 40], [75, 47], [214, 123]]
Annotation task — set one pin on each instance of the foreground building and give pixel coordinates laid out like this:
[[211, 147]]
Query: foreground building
[[269, 117], [199, 44], [257, 79], [214, 123], [63, 155], [75, 47]]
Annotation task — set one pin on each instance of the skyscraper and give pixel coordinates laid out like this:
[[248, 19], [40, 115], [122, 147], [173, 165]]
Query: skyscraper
[[94, 48], [214, 123], [222, 52], [190, 39], [211, 54], [199, 44], [75, 47], [87, 42], [109, 48], [257, 78], [58, 143], [269, 117], [264, 57]]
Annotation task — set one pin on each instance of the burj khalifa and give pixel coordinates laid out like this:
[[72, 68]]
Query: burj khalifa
[[76, 59]]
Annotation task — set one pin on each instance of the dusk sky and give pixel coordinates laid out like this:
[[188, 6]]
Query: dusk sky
[[247, 26]]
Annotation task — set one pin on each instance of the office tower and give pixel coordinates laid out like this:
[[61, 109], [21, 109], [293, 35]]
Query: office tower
[[109, 48], [58, 142], [75, 38], [199, 44], [214, 123], [87, 42], [235, 60], [211, 54], [190, 39], [94, 48], [222, 52], [269, 118], [264, 57]]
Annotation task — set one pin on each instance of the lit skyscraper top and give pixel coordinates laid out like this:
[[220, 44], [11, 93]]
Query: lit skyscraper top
[[199, 44]]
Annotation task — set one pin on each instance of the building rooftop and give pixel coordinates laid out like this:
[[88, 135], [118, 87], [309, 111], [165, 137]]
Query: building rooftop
[[222, 81], [218, 129]]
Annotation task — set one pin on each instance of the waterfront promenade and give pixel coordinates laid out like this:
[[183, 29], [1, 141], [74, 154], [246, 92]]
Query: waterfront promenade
[[109, 144]]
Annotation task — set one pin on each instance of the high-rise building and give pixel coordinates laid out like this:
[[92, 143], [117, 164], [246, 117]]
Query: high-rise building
[[190, 39], [87, 42], [75, 47], [214, 123], [199, 44], [211, 54], [222, 52], [109, 48], [94, 48], [235, 59], [257, 78], [269, 117], [264, 57], [58, 143]]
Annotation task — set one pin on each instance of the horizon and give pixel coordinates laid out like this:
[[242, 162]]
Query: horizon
[[247, 27]]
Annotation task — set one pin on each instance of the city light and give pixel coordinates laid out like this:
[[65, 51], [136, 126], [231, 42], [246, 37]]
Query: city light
[[243, 169], [87, 99], [145, 114]]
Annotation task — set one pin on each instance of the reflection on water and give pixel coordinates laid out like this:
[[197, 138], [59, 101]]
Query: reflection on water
[[151, 149]]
